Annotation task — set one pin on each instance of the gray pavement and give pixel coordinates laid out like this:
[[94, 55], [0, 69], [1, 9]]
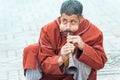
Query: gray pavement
[[21, 20]]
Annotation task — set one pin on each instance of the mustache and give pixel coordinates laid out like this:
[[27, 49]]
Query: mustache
[[65, 33]]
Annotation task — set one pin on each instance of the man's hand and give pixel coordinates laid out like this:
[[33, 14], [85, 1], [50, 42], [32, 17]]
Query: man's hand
[[76, 40], [67, 49]]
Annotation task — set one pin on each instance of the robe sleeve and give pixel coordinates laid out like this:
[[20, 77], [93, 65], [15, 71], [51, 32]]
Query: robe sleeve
[[47, 57], [94, 55]]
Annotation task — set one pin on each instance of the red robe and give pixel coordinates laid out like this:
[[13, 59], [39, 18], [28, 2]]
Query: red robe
[[48, 50], [51, 42]]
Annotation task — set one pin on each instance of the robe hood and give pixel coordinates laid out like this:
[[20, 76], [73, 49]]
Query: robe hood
[[83, 27]]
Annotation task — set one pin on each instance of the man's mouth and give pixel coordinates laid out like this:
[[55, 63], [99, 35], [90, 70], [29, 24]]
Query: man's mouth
[[66, 32]]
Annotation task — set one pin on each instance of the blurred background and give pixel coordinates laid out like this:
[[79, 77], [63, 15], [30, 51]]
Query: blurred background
[[21, 21]]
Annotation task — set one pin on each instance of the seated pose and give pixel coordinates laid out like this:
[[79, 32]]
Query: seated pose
[[69, 48]]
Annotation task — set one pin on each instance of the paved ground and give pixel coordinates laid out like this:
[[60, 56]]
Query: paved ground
[[21, 20]]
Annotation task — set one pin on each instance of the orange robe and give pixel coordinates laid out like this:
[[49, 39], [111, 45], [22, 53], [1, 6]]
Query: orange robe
[[51, 42]]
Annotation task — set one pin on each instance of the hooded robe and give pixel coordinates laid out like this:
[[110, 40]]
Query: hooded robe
[[51, 41]]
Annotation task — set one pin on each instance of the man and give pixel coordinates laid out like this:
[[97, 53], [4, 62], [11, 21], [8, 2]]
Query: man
[[70, 34]]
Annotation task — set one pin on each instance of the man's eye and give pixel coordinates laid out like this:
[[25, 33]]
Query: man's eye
[[64, 21], [73, 22]]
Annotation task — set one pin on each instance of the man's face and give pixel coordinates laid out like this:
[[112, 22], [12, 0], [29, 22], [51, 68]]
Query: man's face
[[69, 23]]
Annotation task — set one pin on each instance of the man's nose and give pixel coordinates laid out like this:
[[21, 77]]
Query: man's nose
[[68, 26]]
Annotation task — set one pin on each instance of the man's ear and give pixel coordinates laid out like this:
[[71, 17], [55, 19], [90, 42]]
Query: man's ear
[[81, 18]]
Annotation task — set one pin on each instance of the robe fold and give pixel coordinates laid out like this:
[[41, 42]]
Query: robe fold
[[30, 54]]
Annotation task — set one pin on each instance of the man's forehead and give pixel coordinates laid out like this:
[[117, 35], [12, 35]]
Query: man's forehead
[[73, 16]]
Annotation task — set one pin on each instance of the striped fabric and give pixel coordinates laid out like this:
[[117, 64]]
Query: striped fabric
[[82, 72], [33, 74]]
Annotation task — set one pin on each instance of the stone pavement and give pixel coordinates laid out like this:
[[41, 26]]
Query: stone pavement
[[21, 20]]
